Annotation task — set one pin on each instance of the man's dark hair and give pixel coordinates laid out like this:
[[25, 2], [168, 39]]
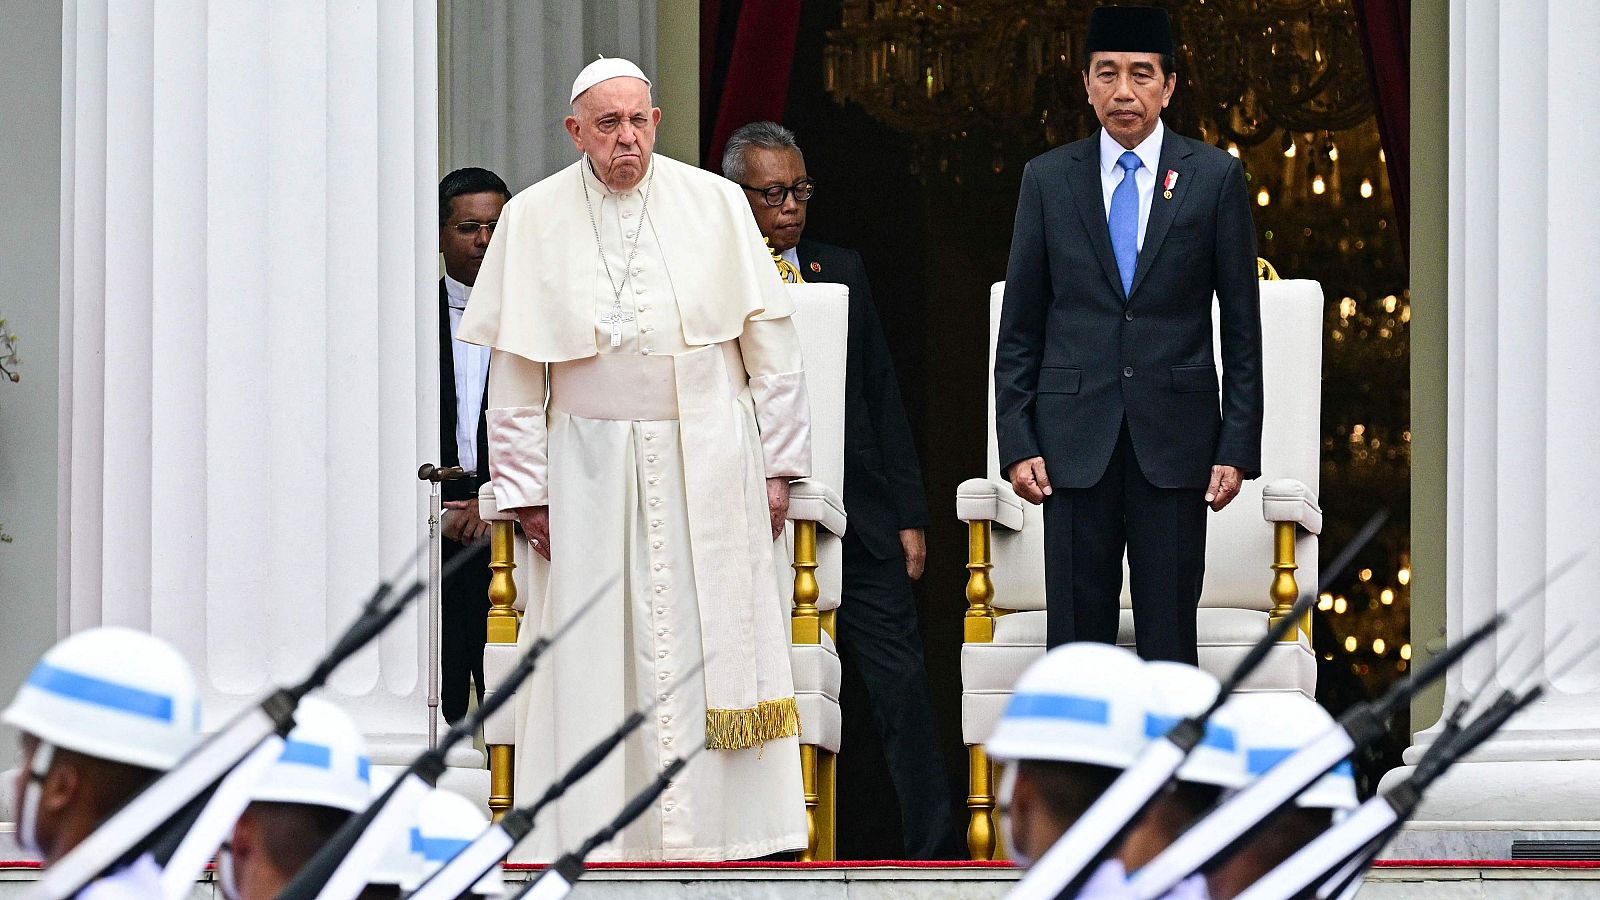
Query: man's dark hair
[[1169, 64], [292, 833], [471, 180], [1067, 788]]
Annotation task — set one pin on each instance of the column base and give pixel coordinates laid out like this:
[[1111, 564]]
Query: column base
[[1479, 810]]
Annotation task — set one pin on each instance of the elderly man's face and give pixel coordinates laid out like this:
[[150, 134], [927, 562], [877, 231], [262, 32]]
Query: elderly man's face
[[1128, 92], [614, 125], [463, 245], [767, 168]]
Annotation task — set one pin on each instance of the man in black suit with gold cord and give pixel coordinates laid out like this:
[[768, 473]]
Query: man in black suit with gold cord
[[883, 497], [1106, 394], [469, 209]]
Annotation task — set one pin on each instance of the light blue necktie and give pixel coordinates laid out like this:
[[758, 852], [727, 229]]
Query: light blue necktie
[[1124, 220]]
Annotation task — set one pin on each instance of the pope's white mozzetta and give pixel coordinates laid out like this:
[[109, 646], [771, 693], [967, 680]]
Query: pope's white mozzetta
[[646, 382]]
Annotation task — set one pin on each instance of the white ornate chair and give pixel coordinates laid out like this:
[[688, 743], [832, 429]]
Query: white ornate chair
[[816, 525], [1005, 619]]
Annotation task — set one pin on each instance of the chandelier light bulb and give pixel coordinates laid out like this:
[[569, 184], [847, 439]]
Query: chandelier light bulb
[[1318, 186], [1378, 646], [1289, 150], [1263, 198], [1366, 188], [1350, 644], [1233, 150]]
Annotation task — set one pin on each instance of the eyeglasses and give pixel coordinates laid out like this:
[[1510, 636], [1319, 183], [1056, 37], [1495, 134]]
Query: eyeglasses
[[470, 228], [777, 195]]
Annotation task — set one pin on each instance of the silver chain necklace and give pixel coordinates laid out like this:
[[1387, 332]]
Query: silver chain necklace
[[617, 316]]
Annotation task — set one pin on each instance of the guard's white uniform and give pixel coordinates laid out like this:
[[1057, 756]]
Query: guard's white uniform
[[140, 880]]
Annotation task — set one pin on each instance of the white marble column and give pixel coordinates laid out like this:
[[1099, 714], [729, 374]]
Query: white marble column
[[507, 71], [249, 331], [1524, 406]]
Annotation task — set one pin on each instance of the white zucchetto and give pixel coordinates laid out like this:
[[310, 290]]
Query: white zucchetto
[[603, 69]]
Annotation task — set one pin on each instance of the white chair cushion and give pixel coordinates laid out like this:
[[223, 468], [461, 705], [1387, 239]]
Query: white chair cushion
[[1289, 500], [995, 667], [816, 502], [498, 661], [983, 499], [816, 667], [1027, 627], [820, 720]]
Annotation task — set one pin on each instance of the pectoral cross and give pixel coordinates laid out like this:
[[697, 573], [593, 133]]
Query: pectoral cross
[[616, 320]]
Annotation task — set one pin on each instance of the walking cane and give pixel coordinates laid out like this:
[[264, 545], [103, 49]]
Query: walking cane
[[434, 476]]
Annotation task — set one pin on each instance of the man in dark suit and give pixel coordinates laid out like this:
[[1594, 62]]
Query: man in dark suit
[[469, 208], [884, 547], [1106, 394]]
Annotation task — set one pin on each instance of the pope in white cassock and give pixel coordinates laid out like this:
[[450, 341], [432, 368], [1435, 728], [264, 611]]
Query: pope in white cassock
[[647, 410]]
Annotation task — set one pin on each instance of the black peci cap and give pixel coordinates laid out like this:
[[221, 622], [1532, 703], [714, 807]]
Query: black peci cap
[[1129, 29]]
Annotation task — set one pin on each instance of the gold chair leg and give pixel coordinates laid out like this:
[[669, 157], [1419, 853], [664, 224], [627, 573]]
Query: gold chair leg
[[827, 805], [808, 776], [502, 629], [1285, 591], [501, 779], [980, 803]]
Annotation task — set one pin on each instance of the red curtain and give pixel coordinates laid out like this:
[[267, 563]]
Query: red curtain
[[746, 49], [1386, 38]]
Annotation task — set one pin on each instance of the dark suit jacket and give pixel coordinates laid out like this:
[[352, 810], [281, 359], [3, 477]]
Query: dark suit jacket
[[882, 479], [1075, 356], [462, 488]]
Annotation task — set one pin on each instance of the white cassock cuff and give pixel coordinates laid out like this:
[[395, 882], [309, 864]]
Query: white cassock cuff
[[517, 460], [783, 412]]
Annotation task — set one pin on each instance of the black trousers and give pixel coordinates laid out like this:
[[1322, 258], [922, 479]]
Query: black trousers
[[463, 628], [1163, 531], [880, 640]]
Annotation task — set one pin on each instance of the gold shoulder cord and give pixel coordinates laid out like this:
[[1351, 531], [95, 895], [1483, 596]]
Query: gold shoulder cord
[[786, 271]]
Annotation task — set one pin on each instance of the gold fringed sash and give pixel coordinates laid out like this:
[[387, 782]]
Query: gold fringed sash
[[739, 729]]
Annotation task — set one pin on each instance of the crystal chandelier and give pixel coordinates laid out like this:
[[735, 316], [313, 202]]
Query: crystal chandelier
[[1010, 71]]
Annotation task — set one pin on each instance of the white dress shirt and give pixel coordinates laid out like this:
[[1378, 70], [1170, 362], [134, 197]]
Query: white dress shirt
[[1149, 151], [472, 373]]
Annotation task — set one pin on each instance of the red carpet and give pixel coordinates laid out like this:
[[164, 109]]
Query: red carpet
[[977, 864]]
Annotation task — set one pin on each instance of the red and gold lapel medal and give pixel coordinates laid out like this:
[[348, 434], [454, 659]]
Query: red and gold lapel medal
[[1166, 185], [816, 267]]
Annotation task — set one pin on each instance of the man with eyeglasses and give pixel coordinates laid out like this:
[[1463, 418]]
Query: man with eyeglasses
[[884, 549], [647, 411], [469, 209]]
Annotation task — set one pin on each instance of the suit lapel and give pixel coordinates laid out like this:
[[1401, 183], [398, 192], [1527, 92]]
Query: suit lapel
[[447, 382], [1089, 198], [1175, 154], [808, 254]]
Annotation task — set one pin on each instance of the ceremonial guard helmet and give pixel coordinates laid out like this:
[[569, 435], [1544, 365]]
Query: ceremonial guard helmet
[[446, 823], [1080, 703], [324, 762], [1272, 726], [1178, 690], [114, 694]]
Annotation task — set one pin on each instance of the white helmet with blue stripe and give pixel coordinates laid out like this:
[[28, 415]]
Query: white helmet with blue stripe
[[1178, 690], [1079, 703], [446, 823], [1272, 726], [324, 762], [111, 693]]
